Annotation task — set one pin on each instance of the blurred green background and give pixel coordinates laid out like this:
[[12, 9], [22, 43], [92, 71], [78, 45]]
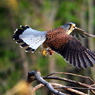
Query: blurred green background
[[40, 15]]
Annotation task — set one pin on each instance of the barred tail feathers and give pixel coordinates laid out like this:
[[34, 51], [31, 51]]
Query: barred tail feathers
[[29, 38]]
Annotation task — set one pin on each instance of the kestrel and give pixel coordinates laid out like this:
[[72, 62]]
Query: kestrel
[[61, 40]]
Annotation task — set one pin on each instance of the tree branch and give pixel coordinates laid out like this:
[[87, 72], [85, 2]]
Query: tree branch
[[38, 77], [70, 74], [60, 86]]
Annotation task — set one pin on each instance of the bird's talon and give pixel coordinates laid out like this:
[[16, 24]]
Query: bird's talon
[[50, 52], [44, 52]]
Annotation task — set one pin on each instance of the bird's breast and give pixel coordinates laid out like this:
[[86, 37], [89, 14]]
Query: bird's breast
[[57, 42]]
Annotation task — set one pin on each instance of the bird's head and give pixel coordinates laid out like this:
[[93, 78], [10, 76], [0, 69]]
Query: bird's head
[[69, 27]]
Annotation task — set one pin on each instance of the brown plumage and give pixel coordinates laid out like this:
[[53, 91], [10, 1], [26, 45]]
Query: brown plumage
[[56, 39], [70, 48], [62, 42]]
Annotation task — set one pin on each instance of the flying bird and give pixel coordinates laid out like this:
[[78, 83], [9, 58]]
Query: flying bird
[[61, 40]]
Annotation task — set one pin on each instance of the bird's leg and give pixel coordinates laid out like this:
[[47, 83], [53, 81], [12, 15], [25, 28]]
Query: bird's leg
[[44, 52]]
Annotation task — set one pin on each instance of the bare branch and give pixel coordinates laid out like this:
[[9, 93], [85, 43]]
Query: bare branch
[[38, 77], [58, 86], [72, 81], [79, 76], [71, 74]]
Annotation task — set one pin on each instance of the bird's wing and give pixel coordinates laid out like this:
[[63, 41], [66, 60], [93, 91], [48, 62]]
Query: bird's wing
[[29, 38], [77, 32], [73, 51]]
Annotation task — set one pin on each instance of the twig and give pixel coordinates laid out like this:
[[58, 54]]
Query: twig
[[72, 81], [79, 76], [77, 88], [56, 85], [92, 89], [72, 75], [68, 80]]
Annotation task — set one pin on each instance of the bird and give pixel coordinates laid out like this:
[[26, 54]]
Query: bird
[[62, 40]]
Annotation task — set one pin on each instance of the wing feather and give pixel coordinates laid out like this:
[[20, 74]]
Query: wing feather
[[83, 57], [78, 61], [73, 51], [77, 32]]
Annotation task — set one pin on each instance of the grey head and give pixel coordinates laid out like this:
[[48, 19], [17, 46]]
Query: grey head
[[69, 27], [78, 32]]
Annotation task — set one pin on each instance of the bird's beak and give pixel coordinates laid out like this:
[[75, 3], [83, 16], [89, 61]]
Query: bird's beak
[[73, 26]]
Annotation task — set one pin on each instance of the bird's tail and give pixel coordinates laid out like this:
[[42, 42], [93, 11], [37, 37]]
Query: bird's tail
[[29, 38]]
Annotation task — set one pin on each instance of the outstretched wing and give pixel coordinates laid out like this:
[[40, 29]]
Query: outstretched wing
[[73, 51], [29, 38], [80, 33]]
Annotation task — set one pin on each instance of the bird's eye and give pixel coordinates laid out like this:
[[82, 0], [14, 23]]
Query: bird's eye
[[70, 25]]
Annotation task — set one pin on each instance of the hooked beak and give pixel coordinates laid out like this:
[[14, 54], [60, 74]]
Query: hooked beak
[[73, 26]]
